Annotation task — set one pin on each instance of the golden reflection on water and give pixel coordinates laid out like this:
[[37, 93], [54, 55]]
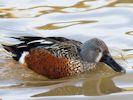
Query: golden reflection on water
[[60, 25], [6, 13], [81, 6]]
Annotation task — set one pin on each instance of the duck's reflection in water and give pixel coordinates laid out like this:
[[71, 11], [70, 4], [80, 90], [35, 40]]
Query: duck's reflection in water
[[89, 87], [100, 87]]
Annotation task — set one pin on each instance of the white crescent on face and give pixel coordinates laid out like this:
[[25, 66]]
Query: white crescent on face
[[99, 56]]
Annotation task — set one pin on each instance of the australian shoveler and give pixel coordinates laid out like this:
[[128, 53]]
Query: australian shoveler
[[57, 57]]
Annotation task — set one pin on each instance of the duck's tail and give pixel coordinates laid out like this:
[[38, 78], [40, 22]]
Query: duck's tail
[[16, 54], [19, 46]]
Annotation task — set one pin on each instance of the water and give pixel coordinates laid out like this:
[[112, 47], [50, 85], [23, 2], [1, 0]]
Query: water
[[109, 20]]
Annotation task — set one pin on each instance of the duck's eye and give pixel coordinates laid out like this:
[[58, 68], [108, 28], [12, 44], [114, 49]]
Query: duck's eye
[[98, 50]]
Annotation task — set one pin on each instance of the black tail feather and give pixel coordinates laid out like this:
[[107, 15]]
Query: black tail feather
[[16, 52]]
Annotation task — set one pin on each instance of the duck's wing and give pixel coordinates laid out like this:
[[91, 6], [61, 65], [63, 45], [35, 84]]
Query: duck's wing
[[66, 40], [27, 39], [26, 43], [29, 42]]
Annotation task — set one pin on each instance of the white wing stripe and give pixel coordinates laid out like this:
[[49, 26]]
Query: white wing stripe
[[41, 42]]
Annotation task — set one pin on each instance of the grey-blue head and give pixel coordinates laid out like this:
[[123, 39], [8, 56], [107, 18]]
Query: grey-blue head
[[95, 50]]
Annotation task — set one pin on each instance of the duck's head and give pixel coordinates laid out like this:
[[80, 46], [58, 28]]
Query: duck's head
[[95, 50]]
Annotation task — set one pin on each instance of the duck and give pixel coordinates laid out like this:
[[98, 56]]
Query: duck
[[59, 57]]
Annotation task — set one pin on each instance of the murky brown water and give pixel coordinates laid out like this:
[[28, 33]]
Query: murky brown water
[[110, 20]]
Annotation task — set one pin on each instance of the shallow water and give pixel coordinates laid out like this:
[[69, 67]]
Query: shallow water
[[110, 20]]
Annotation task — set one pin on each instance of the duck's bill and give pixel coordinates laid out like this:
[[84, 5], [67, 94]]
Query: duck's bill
[[112, 63]]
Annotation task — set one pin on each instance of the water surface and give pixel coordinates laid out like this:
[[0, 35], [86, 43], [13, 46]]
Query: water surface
[[109, 20]]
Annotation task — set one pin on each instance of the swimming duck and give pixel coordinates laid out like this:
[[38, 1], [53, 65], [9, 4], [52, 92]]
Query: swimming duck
[[58, 57]]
